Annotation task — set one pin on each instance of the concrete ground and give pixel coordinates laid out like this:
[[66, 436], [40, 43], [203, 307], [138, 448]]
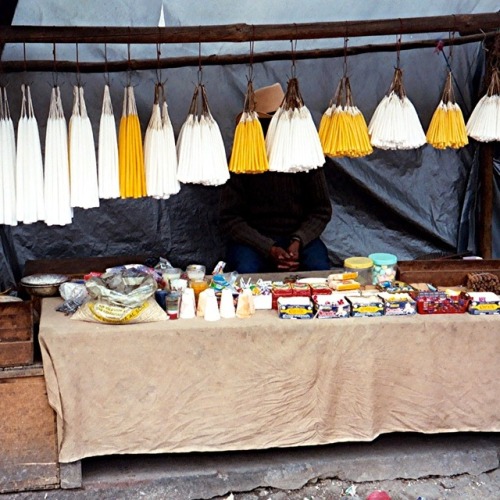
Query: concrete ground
[[461, 466]]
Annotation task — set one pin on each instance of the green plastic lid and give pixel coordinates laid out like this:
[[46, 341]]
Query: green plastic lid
[[383, 259], [358, 263]]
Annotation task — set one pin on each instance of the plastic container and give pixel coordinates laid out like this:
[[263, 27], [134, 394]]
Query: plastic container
[[195, 272], [384, 268], [362, 266]]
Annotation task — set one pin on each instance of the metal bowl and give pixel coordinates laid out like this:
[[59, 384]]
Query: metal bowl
[[43, 285]]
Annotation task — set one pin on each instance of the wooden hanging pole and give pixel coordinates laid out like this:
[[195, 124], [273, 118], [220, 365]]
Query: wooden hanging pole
[[222, 60], [461, 23]]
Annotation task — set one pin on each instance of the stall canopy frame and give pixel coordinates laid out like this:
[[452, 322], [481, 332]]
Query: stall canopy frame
[[468, 27]]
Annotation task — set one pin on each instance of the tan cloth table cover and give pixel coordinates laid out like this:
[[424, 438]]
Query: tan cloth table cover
[[194, 385]]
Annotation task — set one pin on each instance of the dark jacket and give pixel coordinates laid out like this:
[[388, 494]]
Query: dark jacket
[[256, 208]]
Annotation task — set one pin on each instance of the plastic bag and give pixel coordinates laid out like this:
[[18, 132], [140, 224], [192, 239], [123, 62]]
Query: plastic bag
[[74, 295], [121, 296]]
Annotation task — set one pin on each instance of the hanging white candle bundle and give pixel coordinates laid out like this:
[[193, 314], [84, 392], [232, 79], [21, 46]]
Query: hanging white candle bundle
[[160, 155], [447, 127], [292, 141], [30, 206], [249, 147], [170, 182], [395, 123], [58, 209], [7, 163], [343, 130], [200, 148], [484, 122], [82, 158], [108, 168]]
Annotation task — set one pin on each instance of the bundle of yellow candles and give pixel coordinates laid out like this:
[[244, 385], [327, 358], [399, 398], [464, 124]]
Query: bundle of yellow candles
[[343, 130], [249, 147], [130, 152], [447, 127]]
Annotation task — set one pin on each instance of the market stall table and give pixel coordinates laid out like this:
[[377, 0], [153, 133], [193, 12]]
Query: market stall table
[[262, 382]]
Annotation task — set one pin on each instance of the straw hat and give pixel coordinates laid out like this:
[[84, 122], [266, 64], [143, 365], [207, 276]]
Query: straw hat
[[267, 100]]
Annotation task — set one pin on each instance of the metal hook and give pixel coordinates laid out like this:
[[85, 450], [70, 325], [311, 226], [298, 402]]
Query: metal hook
[[129, 75], [451, 38], [54, 72], [252, 45], [106, 71], [78, 76], [158, 66], [200, 69], [345, 54], [24, 57], [294, 48], [398, 51]]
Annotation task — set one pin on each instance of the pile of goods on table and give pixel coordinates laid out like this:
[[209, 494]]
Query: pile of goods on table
[[365, 287]]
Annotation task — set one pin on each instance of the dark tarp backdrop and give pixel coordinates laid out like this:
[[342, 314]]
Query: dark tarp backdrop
[[411, 203]]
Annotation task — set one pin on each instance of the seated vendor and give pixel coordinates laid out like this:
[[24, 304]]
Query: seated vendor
[[274, 220]]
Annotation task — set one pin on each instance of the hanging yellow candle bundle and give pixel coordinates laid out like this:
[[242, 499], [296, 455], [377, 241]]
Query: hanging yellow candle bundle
[[249, 148], [130, 152], [343, 130], [447, 127]]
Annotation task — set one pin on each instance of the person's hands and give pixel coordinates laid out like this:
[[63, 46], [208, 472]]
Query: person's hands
[[283, 259], [294, 249]]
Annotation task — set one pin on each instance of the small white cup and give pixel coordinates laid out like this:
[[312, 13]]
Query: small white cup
[[188, 305], [227, 304], [212, 312]]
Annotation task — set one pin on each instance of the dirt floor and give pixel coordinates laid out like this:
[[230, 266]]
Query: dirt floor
[[485, 486], [466, 467]]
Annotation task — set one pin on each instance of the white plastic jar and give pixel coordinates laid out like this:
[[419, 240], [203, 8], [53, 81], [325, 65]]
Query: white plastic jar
[[384, 268]]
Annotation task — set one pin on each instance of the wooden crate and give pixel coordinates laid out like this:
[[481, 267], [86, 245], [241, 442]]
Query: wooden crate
[[28, 435], [77, 267], [444, 272], [16, 333]]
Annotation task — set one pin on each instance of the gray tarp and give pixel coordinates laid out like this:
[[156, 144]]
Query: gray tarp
[[411, 203]]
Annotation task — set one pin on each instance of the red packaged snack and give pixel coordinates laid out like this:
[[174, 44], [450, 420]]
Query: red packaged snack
[[442, 303], [280, 290], [320, 289], [300, 290]]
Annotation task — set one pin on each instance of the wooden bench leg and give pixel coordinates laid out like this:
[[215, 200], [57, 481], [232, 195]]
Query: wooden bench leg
[[70, 475]]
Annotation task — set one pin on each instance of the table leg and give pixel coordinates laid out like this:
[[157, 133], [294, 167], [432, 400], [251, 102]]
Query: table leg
[[70, 475]]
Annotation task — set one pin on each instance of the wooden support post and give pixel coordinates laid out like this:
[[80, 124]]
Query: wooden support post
[[486, 197], [486, 150]]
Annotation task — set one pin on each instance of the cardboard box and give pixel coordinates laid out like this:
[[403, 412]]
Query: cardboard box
[[263, 301], [398, 304], [484, 303], [334, 305], [295, 308], [371, 305]]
